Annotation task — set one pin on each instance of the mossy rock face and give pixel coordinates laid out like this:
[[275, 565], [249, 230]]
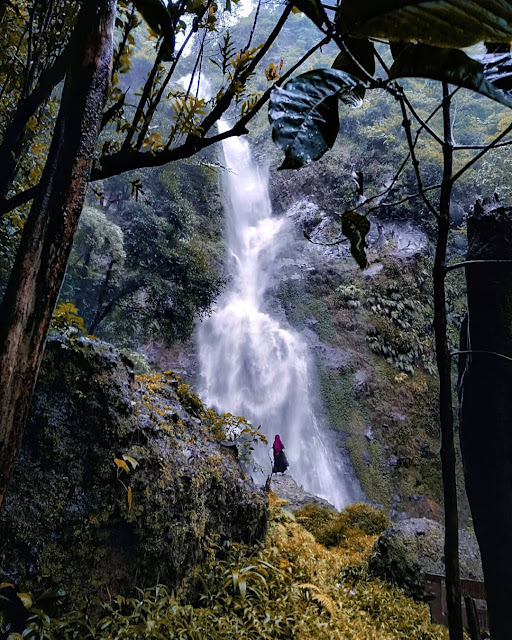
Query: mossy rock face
[[405, 552], [117, 483]]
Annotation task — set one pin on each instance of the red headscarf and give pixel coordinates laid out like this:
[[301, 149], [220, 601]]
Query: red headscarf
[[278, 445]]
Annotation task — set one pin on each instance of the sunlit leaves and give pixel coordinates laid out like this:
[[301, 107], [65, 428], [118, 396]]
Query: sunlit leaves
[[456, 67], [121, 465], [66, 320], [304, 114], [26, 599], [273, 71], [450, 23], [250, 102], [188, 111]]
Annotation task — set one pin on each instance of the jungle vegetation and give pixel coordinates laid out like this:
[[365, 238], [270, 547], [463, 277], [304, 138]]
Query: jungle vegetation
[[87, 93]]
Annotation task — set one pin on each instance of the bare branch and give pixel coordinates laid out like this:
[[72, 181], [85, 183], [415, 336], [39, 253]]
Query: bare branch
[[406, 123], [502, 356], [465, 263]]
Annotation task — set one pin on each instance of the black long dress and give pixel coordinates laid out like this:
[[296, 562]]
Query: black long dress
[[280, 462]]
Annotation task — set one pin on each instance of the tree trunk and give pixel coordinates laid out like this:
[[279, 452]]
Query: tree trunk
[[486, 404], [443, 360], [39, 269]]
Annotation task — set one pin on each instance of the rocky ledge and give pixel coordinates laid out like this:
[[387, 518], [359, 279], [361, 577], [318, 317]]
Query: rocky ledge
[[285, 487]]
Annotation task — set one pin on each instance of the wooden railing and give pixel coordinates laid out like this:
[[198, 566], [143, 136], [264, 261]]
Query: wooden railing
[[474, 611]]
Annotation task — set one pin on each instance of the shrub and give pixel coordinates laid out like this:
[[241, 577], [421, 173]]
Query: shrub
[[332, 530]]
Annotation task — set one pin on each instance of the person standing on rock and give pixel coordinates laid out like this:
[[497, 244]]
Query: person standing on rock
[[280, 461]]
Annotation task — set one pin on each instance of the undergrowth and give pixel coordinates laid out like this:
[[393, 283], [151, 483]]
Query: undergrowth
[[289, 587]]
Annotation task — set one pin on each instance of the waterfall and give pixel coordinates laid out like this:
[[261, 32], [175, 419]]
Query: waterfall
[[253, 364]]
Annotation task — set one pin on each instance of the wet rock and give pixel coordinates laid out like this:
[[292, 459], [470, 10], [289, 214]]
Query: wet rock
[[76, 518], [392, 461], [403, 239], [331, 357], [284, 486], [405, 552], [361, 385], [368, 434]]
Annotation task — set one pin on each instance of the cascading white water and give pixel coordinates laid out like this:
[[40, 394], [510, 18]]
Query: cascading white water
[[251, 364]]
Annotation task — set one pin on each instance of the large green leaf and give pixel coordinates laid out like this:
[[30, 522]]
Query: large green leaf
[[355, 227], [311, 8], [357, 58], [443, 23], [158, 17], [490, 77], [304, 114]]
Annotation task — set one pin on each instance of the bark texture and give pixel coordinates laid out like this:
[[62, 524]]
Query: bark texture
[[485, 386], [38, 272]]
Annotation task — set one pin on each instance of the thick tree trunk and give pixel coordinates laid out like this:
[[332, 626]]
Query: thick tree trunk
[[38, 272], [486, 404]]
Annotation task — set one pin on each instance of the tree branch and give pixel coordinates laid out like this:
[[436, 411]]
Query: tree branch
[[465, 263], [491, 145], [406, 123], [481, 351]]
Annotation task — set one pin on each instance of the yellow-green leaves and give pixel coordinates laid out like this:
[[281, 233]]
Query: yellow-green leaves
[[443, 23], [66, 320], [121, 465], [26, 599]]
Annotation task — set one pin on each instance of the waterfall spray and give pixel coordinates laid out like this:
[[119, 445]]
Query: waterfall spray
[[252, 364]]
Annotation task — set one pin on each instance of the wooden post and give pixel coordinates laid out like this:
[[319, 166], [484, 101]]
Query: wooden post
[[472, 618]]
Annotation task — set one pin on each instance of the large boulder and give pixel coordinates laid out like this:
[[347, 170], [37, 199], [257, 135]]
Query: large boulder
[[405, 552], [120, 481]]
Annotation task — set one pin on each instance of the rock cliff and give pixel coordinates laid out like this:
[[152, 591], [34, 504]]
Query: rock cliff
[[121, 481]]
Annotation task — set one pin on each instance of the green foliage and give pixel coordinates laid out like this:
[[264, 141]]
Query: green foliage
[[453, 66], [290, 587], [348, 296], [445, 24], [400, 329], [304, 114], [336, 529]]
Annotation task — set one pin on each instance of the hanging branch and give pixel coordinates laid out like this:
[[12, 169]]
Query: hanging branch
[[402, 167], [432, 187], [406, 123]]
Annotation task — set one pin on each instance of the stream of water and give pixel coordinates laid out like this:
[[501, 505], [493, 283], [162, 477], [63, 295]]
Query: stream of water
[[253, 364]]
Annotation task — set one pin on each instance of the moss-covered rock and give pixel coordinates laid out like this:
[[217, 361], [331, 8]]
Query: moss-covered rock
[[405, 552], [117, 483]]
